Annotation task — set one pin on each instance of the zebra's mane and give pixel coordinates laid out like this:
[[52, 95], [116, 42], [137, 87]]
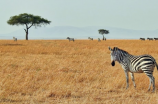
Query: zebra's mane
[[116, 48]]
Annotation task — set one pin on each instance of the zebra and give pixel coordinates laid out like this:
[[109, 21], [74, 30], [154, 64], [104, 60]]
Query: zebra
[[142, 38], [156, 38], [15, 39], [99, 40], [90, 38], [149, 38], [70, 39], [134, 64]]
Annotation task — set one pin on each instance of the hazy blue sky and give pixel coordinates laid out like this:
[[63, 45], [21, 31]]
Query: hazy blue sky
[[128, 14]]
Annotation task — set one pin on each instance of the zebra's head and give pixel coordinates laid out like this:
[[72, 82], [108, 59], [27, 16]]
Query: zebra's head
[[113, 55], [117, 55]]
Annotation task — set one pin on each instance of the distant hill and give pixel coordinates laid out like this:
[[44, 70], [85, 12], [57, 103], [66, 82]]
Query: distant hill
[[61, 32]]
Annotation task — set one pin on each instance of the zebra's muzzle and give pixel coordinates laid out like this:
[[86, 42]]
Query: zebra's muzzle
[[113, 63]]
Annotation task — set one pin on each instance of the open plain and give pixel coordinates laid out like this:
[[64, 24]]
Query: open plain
[[80, 72]]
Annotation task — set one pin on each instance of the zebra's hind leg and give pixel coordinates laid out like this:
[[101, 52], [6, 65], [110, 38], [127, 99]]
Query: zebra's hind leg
[[132, 77], [151, 80]]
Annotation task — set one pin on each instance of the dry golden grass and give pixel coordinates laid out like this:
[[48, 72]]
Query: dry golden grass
[[80, 72]]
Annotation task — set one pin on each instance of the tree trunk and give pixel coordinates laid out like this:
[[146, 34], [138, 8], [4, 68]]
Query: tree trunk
[[26, 36], [103, 37], [26, 31]]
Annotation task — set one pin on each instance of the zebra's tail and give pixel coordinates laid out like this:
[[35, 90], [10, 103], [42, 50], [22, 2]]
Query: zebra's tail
[[156, 65]]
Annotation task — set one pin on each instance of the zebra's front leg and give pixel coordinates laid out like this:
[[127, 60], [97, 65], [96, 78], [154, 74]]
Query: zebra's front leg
[[127, 79], [132, 77]]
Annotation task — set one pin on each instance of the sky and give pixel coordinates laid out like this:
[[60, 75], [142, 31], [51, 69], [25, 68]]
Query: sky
[[126, 14]]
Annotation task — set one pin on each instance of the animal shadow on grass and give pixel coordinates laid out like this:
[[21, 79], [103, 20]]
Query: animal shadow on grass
[[4, 100], [11, 45]]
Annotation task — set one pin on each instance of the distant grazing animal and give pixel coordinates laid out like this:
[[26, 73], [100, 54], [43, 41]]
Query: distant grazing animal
[[134, 64], [15, 39], [70, 39], [156, 38], [90, 38], [149, 38], [142, 38], [99, 40]]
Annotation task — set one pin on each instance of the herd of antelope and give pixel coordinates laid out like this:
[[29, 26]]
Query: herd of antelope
[[149, 39]]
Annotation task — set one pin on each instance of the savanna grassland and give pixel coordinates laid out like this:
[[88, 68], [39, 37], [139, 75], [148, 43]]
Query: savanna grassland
[[80, 72]]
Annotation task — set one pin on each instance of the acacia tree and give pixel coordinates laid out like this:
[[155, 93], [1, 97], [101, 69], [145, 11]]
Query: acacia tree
[[28, 20], [102, 32]]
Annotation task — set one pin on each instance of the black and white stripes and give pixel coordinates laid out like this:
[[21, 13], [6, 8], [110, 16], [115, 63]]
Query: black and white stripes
[[156, 38], [142, 38], [149, 38], [90, 38], [15, 39], [70, 39], [99, 40], [134, 64]]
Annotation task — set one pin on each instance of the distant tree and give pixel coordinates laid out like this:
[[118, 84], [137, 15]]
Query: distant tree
[[102, 32], [28, 20]]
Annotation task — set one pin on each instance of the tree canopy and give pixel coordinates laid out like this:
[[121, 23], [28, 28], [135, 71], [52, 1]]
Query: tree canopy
[[102, 32], [28, 20]]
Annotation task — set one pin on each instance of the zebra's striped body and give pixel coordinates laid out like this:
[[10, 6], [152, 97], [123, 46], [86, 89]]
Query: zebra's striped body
[[149, 38], [90, 38], [15, 39], [156, 38], [99, 40], [70, 39], [134, 64], [142, 38]]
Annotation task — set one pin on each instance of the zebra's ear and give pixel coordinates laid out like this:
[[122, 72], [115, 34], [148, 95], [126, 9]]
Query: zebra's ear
[[115, 48], [110, 49]]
